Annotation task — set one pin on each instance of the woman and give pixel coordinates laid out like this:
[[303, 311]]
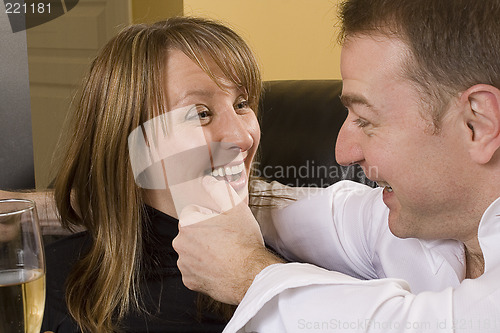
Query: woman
[[121, 274]]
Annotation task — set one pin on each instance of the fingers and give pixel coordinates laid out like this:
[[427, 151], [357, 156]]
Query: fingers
[[224, 196], [192, 214]]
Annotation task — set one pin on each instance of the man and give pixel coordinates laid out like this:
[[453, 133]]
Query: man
[[421, 253]]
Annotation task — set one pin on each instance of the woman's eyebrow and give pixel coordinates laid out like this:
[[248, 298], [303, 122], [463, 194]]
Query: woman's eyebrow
[[195, 93], [188, 94]]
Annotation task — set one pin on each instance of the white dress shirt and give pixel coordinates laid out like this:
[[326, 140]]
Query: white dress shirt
[[356, 276]]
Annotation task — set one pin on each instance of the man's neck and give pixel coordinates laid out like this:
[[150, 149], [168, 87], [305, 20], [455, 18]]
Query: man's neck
[[474, 262], [473, 252]]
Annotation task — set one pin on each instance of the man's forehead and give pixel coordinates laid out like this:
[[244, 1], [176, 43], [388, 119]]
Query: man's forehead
[[373, 58], [367, 46]]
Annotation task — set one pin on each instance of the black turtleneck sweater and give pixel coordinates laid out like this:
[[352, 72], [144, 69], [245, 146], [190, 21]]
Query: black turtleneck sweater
[[171, 306]]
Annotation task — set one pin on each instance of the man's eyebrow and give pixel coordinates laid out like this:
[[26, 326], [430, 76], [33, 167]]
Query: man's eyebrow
[[349, 100]]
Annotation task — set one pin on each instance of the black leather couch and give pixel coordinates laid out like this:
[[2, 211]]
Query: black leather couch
[[300, 121]]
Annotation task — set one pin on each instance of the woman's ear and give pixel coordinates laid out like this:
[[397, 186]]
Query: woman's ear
[[482, 115]]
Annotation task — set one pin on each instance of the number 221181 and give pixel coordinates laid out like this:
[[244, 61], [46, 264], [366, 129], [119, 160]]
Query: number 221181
[[18, 8]]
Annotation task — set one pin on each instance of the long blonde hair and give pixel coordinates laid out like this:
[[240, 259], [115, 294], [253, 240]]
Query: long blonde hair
[[95, 186]]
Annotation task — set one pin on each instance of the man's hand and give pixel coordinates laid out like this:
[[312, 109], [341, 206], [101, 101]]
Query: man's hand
[[220, 253]]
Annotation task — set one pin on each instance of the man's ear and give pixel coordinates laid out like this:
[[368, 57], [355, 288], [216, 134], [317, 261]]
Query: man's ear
[[482, 115]]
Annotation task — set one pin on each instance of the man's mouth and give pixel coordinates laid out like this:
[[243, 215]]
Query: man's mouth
[[230, 172], [385, 185]]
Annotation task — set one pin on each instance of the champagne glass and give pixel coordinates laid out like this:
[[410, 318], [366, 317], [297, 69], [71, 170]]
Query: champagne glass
[[22, 268]]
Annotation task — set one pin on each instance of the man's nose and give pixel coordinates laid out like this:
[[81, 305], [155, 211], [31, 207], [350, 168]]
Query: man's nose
[[348, 150]]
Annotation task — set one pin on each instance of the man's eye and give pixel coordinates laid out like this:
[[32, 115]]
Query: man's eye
[[362, 123]]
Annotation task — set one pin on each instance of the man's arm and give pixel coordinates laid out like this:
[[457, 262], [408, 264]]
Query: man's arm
[[335, 227], [301, 297], [224, 257], [305, 231]]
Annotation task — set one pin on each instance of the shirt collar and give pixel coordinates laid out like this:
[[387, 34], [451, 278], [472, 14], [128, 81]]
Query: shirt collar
[[489, 235]]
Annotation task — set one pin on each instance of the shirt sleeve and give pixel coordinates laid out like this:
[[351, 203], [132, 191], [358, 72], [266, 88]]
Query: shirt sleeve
[[304, 298], [335, 228]]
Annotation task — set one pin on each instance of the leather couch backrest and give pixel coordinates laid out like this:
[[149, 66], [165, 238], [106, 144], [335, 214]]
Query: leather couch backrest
[[300, 121]]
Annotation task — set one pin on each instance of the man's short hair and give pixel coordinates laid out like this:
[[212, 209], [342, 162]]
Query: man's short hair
[[453, 44]]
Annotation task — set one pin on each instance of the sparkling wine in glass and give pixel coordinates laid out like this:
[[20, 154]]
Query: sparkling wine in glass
[[22, 268]]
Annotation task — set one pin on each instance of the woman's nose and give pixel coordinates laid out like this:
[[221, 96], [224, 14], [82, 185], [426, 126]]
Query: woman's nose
[[232, 131], [348, 150]]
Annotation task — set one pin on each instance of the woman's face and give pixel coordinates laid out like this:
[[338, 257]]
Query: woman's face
[[210, 129]]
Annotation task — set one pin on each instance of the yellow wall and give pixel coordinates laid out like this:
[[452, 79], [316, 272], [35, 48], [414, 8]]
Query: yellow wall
[[149, 11], [293, 39]]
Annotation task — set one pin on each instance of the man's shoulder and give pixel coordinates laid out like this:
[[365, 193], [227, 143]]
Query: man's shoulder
[[357, 198], [352, 186]]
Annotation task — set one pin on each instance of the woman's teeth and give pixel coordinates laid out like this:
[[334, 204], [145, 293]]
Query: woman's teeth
[[230, 172]]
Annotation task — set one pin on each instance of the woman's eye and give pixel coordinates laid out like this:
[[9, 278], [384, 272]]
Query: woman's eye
[[199, 113], [203, 114], [242, 105]]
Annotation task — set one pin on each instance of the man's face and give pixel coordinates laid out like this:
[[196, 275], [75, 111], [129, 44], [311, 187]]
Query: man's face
[[389, 134]]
